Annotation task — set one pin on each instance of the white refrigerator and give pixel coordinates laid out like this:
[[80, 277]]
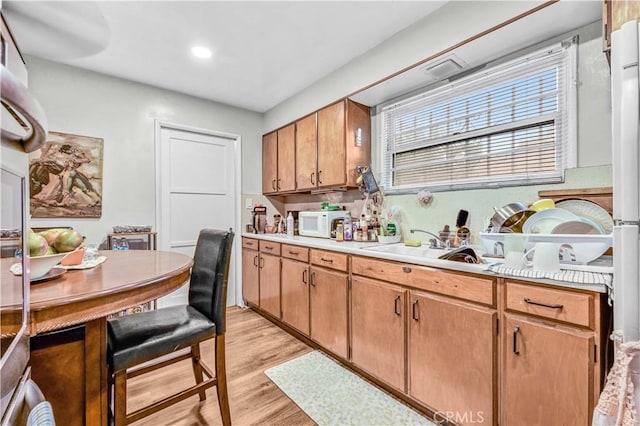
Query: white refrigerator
[[625, 117]]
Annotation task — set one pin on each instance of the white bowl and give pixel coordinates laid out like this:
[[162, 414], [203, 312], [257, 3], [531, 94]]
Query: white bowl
[[40, 265], [544, 221]]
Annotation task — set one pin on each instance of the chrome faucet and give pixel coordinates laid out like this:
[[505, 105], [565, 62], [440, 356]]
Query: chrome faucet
[[435, 242]]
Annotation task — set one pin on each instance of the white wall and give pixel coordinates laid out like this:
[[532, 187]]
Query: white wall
[[454, 22], [123, 113]]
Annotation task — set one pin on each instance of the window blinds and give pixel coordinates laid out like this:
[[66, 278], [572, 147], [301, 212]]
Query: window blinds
[[505, 125]]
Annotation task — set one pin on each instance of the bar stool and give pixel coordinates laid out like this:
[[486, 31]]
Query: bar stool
[[147, 336]]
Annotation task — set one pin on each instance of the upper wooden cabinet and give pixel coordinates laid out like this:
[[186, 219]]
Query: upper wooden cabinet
[[329, 144], [614, 14], [306, 158], [278, 161]]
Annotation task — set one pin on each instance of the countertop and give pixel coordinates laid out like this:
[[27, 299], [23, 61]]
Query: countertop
[[602, 265]]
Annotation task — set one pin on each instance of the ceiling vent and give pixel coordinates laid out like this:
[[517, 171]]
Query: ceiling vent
[[444, 68]]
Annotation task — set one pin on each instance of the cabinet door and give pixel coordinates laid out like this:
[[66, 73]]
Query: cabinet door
[[270, 284], [286, 159], [331, 146], [452, 357], [295, 294], [328, 305], [306, 141], [269, 163], [548, 372], [378, 329], [250, 283]]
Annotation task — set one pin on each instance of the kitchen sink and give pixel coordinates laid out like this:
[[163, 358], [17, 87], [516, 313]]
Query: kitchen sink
[[425, 252], [401, 249]]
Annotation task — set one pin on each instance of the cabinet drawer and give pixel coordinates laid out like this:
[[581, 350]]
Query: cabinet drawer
[[250, 243], [295, 252], [475, 289], [270, 247], [561, 305], [329, 259]]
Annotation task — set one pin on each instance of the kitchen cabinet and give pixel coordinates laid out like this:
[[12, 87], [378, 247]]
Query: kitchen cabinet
[[614, 14], [250, 272], [278, 161], [329, 301], [306, 153], [269, 163], [479, 349], [451, 343], [294, 296], [328, 147], [378, 338], [551, 363], [269, 265], [453, 357], [547, 373]]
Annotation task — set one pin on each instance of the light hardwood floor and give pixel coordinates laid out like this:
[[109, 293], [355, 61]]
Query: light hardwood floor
[[253, 345]]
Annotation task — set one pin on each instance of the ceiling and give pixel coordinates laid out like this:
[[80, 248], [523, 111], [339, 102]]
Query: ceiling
[[263, 51]]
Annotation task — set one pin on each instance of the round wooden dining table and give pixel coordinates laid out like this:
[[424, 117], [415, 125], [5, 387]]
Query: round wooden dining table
[[68, 324]]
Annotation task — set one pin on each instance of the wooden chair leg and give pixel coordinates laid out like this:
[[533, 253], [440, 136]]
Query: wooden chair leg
[[197, 369], [221, 375], [120, 398]]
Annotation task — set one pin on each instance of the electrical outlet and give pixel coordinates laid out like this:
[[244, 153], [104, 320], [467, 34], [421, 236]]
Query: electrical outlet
[[248, 203]]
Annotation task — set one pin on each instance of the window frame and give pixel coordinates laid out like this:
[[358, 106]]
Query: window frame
[[568, 109]]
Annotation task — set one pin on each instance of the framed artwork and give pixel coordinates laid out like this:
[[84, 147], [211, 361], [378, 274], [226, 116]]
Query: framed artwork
[[65, 177]]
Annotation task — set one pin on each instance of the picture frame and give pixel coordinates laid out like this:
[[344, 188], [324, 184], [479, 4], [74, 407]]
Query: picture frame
[[65, 177]]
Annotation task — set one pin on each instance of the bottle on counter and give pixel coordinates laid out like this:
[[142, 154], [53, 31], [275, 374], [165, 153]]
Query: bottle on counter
[[348, 227], [290, 225], [339, 232], [364, 227]]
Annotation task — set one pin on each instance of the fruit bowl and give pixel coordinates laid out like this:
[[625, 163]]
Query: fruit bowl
[[41, 265]]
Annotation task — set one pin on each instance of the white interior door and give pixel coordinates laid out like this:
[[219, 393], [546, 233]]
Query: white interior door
[[197, 188]]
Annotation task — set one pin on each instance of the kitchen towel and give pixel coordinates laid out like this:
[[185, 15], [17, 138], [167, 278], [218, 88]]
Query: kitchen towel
[[581, 277]]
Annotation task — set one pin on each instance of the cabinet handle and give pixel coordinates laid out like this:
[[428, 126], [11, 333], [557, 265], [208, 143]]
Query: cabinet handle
[[406, 269], [319, 177], [326, 260], [396, 305], [261, 263], [313, 174], [278, 184], [273, 184], [255, 260], [516, 329], [414, 310], [313, 279], [304, 276], [533, 302], [268, 248], [293, 253]]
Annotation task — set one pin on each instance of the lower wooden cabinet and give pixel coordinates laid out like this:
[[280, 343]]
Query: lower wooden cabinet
[[295, 294], [378, 322], [452, 357], [270, 284], [547, 373], [472, 348], [328, 309], [250, 276]]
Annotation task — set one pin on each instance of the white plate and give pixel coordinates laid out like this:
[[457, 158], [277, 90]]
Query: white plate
[[588, 209], [544, 221]]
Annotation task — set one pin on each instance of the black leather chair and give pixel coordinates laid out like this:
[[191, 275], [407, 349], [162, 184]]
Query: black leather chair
[[144, 337]]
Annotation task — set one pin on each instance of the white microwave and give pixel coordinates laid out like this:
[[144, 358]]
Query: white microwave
[[318, 223]]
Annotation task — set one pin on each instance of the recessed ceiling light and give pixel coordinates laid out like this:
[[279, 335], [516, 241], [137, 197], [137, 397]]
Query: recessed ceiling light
[[201, 52]]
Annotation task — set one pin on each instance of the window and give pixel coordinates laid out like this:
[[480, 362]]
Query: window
[[511, 124]]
